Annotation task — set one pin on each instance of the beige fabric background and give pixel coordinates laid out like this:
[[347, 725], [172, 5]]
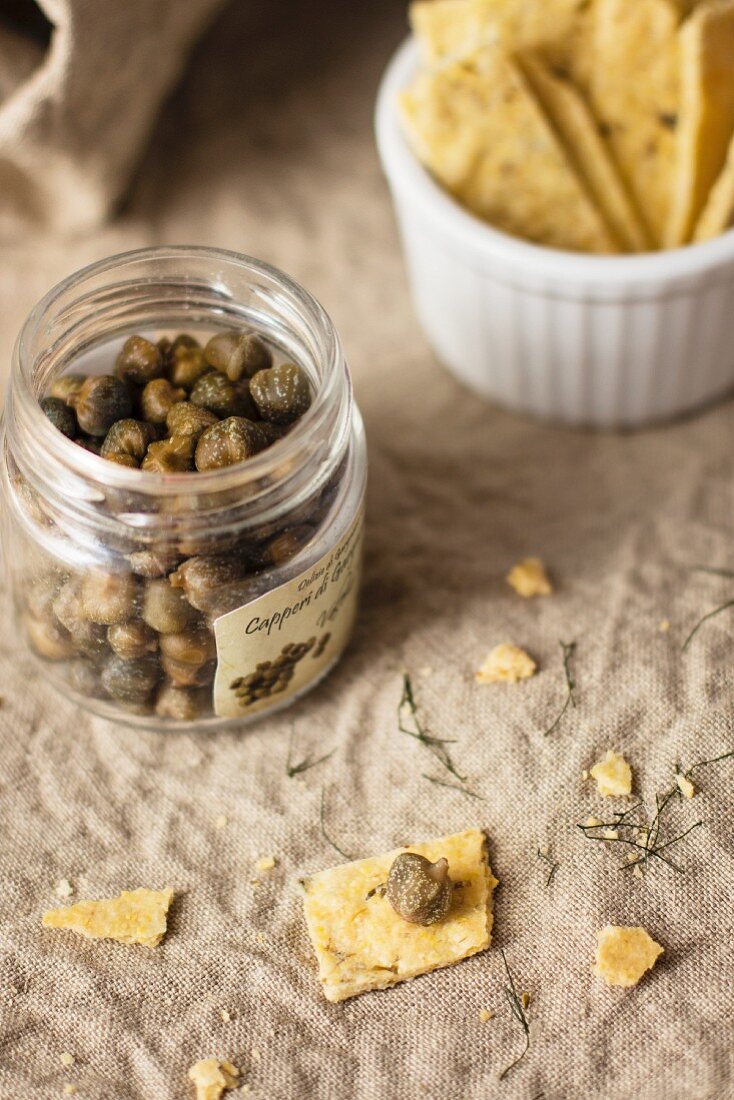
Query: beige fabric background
[[269, 150]]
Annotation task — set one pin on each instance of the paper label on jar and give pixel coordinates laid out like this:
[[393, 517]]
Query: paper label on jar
[[278, 644]]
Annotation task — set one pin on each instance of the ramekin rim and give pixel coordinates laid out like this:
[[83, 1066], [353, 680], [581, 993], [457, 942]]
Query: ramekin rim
[[406, 175]]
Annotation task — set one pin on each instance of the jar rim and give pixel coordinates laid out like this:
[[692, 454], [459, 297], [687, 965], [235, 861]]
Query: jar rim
[[259, 467]]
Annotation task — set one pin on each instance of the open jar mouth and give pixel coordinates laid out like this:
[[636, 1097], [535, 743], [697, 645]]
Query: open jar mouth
[[163, 287]]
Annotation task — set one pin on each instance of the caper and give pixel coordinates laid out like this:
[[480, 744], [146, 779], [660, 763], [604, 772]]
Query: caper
[[203, 579], [153, 563], [67, 387], [192, 647], [180, 703], [49, 641], [109, 598], [130, 682], [122, 459], [238, 354], [100, 402], [285, 545], [166, 608], [43, 592], [89, 638], [139, 361], [157, 399], [89, 443], [282, 394], [187, 366], [60, 415], [128, 438], [84, 678], [418, 890], [187, 419], [174, 455], [133, 639], [186, 675], [221, 396], [230, 441]]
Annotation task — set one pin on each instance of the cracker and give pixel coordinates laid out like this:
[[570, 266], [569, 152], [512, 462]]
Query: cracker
[[718, 213], [529, 578], [213, 1078], [613, 776], [476, 125], [506, 664], [634, 89], [136, 916], [585, 148], [452, 28], [624, 954], [362, 944], [706, 114]]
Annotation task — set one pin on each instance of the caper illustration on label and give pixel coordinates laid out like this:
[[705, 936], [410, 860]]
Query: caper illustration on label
[[270, 677]]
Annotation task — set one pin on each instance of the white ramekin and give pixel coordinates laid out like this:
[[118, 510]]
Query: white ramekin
[[605, 341]]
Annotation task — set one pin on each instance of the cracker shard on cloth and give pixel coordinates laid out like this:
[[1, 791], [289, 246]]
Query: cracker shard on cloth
[[634, 89], [706, 113], [478, 128], [362, 944], [506, 663], [624, 954], [613, 775], [212, 1078], [136, 916]]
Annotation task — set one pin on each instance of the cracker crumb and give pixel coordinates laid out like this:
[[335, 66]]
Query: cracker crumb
[[66, 1059], [611, 834], [637, 871], [425, 671], [225, 1015], [613, 775], [69, 1090], [255, 1055], [485, 1015], [685, 786], [584, 774], [592, 822], [624, 954], [136, 916], [260, 939], [212, 1077], [506, 663], [529, 578], [265, 863], [63, 888], [221, 822], [525, 1000], [664, 626]]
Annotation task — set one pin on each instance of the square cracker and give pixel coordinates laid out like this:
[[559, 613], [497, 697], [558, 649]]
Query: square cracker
[[479, 129], [634, 89], [452, 28], [585, 148], [706, 114], [362, 944]]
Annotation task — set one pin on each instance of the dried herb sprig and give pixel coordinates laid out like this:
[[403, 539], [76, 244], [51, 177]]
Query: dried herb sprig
[[436, 745], [327, 838], [452, 786], [702, 621], [550, 863], [308, 762], [569, 650], [705, 763], [518, 1011]]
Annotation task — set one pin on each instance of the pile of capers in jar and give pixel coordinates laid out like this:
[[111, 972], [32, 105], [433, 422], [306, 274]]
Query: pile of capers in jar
[[177, 407], [140, 634]]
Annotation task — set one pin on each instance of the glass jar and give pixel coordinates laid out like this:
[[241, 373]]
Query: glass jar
[[172, 599]]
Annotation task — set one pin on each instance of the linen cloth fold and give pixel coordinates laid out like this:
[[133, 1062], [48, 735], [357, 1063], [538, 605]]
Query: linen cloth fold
[[75, 110]]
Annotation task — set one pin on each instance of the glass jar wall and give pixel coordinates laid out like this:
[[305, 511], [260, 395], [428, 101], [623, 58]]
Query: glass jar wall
[[187, 597]]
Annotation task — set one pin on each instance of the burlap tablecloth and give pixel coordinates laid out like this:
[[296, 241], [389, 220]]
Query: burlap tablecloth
[[271, 152]]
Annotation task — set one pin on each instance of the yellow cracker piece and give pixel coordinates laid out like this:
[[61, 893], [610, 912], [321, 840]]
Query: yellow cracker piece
[[634, 89], [451, 28], [362, 944], [530, 578], [506, 663], [624, 954], [212, 1077], [475, 124], [585, 149], [136, 916], [706, 115], [718, 213], [613, 775]]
